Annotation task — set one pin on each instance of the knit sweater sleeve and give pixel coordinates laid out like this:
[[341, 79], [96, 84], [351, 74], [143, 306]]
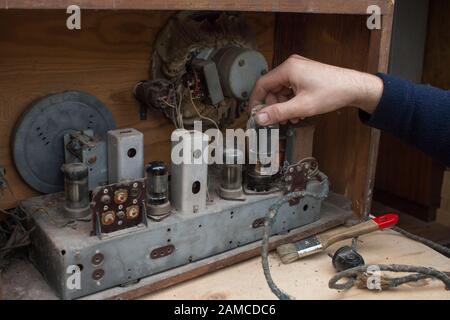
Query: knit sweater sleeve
[[417, 114]]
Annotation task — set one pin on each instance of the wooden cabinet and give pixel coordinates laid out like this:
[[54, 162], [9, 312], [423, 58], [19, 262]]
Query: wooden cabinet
[[110, 53]]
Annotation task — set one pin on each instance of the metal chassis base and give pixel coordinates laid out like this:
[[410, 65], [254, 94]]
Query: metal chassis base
[[224, 226]]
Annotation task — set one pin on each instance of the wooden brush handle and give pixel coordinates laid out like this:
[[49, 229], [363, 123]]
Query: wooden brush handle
[[379, 223]]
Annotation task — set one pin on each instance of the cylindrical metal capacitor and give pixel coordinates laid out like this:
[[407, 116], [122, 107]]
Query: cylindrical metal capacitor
[[157, 188], [231, 182], [76, 187]]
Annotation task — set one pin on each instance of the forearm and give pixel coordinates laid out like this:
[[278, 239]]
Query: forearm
[[417, 114]]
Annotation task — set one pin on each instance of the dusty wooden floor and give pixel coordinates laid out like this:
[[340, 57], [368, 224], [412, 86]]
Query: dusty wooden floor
[[308, 278]]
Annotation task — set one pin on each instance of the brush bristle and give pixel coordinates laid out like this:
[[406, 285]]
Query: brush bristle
[[288, 253]]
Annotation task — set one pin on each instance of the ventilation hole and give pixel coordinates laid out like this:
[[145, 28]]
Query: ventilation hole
[[168, 229], [131, 152], [230, 242], [199, 225], [305, 207], [168, 240], [196, 187], [47, 143], [80, 266], [293, 213], [63, 252]]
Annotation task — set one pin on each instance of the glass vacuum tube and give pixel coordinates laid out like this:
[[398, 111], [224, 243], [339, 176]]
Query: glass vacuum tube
[[76, 187], [231, 182], [157, 189]]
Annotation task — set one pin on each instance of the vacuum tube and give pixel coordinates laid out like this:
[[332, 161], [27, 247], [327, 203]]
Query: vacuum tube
[[231, 182], [260, 175], [76, 187], [157, 190]]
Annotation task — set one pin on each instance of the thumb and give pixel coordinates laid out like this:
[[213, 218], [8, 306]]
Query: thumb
[[279, 112]]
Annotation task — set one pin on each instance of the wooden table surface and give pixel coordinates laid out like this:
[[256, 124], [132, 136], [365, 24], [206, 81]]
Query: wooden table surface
[[308, 278]]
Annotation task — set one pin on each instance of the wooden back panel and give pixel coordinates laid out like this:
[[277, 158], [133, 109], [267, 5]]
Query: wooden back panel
[[106, 58], [342, 144]]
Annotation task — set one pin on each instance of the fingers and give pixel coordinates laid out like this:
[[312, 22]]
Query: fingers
[[281, 112], [272, 82], [271, 99]]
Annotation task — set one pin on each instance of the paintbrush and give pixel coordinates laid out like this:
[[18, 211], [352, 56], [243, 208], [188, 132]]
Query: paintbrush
[[294, 251]]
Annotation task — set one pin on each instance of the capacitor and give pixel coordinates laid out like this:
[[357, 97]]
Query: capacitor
[[157, 194], [76, 186], [231, 182]]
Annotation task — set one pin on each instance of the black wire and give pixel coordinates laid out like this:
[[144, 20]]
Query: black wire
[[433, 245]]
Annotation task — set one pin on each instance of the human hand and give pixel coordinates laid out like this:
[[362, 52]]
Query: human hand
[[301, 88]]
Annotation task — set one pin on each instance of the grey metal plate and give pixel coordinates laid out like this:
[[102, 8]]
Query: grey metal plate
[[38, 147], [223, 226]]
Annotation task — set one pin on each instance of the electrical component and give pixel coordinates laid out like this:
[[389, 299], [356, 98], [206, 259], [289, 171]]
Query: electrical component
[[90, 149], [157, 94], [157, 196], [40, 132], [231, 182], [261, 175], [217, 66], [189, 174], [210, 80], [76, 190], [117, 207], [347, 258], [239, 69], [125, 155]]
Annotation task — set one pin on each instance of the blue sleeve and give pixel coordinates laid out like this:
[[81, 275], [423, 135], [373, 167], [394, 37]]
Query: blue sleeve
[[417, 114]]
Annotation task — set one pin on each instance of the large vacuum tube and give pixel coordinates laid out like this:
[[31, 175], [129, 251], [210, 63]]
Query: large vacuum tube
[[157, 189], [261, 172], [76, 190]]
